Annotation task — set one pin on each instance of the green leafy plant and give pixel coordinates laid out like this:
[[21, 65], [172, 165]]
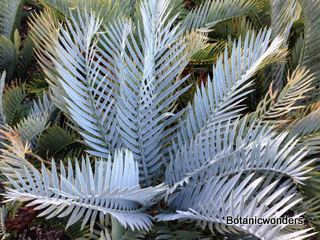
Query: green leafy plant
[[15, 55]]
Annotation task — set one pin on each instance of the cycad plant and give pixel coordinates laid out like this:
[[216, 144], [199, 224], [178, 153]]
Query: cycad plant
[[117, 72]]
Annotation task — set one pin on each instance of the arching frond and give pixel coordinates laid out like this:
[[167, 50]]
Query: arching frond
[[107, 9], [209, 54], [13, 153], [212, 12], [37, 119], [219, 100], [43, 105], [55, 142], [63, 6], [214, 143], [196, 42], [246, 197], [275, 107], [307, 125], [307, 128], [232, 148], [112, 187], [10, 16], [44, 37], [297, 53], [8, 56], [311, 56], [24, 58], [12, 103], [32, 126], [111, 46], [311, 143], [81, 79], [149, 74], [283, 15], [312, 209]]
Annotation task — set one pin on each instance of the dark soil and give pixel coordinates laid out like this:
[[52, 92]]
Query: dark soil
[[42, 232], [24, 227]]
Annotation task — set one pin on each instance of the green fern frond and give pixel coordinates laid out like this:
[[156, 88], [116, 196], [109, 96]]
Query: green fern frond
[[107, 9], [275, 107], [8, 56], [311, 53], [13, 98], [232, 29], [63, 6], [212, 12], [10, 17], [209, 54], [24, 58], [297, 53], [283, 15], [55, 142], [44, 37]]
